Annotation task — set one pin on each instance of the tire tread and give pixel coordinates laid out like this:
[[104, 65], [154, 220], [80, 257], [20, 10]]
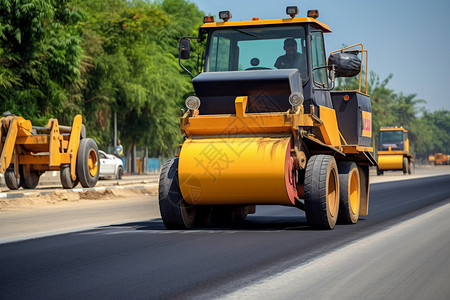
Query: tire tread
[[315, 191]]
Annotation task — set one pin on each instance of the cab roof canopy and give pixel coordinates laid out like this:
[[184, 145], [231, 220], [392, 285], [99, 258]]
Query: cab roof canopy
[[255, 22], [393, 128]]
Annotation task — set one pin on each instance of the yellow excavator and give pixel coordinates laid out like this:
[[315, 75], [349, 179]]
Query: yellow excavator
[[27, 151], [264, 126]]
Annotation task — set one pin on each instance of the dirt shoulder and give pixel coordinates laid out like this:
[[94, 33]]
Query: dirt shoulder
[[62, 198]]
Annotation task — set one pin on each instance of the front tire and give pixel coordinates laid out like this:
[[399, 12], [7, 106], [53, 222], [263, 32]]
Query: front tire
[[321, 191], [175, 212], [349, 192]]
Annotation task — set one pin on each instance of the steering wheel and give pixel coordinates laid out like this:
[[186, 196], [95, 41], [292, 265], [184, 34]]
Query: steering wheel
[[257, 68]]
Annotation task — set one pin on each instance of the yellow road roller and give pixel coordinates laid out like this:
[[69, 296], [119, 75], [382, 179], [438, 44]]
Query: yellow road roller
[[393, 151], [441, 159], [265, 128], [27, 151]]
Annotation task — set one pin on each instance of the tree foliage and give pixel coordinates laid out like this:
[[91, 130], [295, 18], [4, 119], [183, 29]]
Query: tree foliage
[[40, 47], [98, 58], [131, 48]]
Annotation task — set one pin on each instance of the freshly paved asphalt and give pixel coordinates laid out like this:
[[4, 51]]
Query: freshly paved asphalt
[[145, 261]]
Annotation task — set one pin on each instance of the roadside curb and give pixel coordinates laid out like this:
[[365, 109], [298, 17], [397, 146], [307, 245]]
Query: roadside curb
[[76, 190]]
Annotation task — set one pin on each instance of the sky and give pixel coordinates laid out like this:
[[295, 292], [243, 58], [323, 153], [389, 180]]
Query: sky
[[406, 38]]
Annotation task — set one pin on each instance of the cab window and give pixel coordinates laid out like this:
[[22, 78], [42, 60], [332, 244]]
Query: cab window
[[262, 48], [220, 58], [319, 59]]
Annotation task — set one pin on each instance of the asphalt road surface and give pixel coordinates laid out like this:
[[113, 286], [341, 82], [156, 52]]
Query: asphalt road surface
[[145, 261]]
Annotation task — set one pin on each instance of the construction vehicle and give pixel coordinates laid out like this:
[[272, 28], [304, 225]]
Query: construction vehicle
[[441, 159], [393, 151], [431, 159], [257, 134], [28, 151]]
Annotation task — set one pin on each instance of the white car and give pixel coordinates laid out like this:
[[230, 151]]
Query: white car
[[110, 165]]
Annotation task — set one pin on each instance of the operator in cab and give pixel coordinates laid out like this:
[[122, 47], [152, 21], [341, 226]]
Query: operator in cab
[[292, 59]]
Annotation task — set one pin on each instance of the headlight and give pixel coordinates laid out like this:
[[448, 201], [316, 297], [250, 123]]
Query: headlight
[[296, 99], [292, 11], [192, 103], [225, 15]]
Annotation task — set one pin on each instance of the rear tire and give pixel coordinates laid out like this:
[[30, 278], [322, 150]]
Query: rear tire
[[88, 167], [29, 180], [225, 214], [66, 178], [349, 192], [321, 191], [379, 172], [175, 212], [203, 215], [241, 212], [11, 181], [405, 165]]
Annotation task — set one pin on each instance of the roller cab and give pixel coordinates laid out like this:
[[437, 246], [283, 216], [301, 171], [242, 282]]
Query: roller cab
[[264, 128], [393, 151]]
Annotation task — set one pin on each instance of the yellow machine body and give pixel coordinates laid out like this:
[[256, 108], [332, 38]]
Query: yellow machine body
[[388, 157], [441, 159], [54, 146], [248, 158], [237, 170], [390, 162], [267, 133]]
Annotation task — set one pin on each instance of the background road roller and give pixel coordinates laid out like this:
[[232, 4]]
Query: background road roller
[[264, 127], [393, 151], [28, 151], [441, 159]]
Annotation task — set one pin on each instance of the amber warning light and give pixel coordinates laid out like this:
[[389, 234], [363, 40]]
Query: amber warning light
[[208, 19], [313, 14]]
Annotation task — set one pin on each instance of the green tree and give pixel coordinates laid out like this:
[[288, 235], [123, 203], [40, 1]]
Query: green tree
[[40, 46], [433, 130], [132, 62], [404, 111]]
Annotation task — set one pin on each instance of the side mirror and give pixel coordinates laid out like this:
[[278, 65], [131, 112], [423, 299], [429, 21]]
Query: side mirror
[[346, 64], [185, 48]]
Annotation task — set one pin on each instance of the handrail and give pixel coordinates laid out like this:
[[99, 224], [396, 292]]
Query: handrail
[[362, 51]]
